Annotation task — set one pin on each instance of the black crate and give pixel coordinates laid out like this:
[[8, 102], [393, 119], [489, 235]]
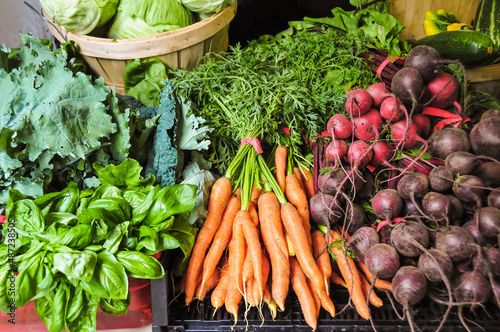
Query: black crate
[[175, 316]]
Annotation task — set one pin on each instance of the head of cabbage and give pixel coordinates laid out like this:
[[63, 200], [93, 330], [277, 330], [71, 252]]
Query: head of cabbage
[[206, 6], [80, 16], [139, 18]]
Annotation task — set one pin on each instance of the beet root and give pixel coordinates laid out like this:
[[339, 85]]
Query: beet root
[[409, 238]]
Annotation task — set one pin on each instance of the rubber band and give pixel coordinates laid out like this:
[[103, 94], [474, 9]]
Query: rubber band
[[384, 222], [384, 63], [3, 219], [254, 142], [287, 131], [448, 117]]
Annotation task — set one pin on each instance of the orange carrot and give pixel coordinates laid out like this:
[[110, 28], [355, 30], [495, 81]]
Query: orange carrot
[[237, 252], [219, 197], [297, 173], [256, 192], [293, 224], [336, 279], [275, 243], [322, 256], [203, 288], [271, 304], [280, 157], [252, 238], [297, 197], [306, 300], [351, 276], [253, 214], [307, 182], [326, 302], [315, 295], [222, 236], [380, 284], [374, 298], [219, 293]]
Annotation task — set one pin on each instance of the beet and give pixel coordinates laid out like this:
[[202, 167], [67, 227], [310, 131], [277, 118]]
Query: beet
[[478, 236], [488, 221], [423, 123], [408, 85], [489, 173], [354, 218], [456, 210], [410, 209], [485, 138], [392, 109], [436, 206], [409, 238], [334, 152], [323, 209], [472, 287], [435, 264], [493, 198], [329, 182], [468, 189], [444, 90], [491, 113], [382, 260], [339, 126], [425, 59], [409, 285], [382, 153], [359, 154], [362, 240], [358, 102], [387, 204], [456, 241], [440, 179], [448, 140], [413, 184], [378, 92]]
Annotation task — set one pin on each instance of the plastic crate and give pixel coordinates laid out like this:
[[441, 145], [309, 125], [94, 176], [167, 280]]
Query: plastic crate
[[173, 315]]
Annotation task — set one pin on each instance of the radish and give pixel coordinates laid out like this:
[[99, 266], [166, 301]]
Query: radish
[[387, 204], [485, 138], [448, 140], [358, 102], [378, 92], [444, 90], [339, 126], [335, 151], [392, 109], [367, 126], [359, 154]]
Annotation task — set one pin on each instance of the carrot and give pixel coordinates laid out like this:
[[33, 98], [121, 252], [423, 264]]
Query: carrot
[[271, 304], [219, 293], [280, 157], [222, 236], [297, 173], [252, 238], [326, 302], [322, 257], [351, 276], [374, 298], [293, 224], [380, 284], [203, 288], [306, 300], [336, 279], [315, 295], [237, 252], [307, 182], [256, 192], [297, 197], [219, 197], [274, 240], [253, 214]]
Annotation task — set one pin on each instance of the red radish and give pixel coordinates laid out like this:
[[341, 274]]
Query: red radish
[[358, 102], [392, 109], [339, 126], [423, 123], [382, 152], [335, 151], [359, 154], [444, 90], [368, 125], [409, 138], [378, 92]]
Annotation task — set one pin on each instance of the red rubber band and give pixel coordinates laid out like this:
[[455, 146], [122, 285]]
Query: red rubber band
[[384, 64], [254, 142]]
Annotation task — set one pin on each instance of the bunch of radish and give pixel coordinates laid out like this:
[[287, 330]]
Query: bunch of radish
[[435, 231]]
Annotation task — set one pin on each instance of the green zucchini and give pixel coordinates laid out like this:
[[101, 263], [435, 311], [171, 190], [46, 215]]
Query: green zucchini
[[470, 47], [487, 20]]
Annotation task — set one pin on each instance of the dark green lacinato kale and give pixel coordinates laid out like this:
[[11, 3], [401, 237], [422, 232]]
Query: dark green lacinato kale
[[294, 80]]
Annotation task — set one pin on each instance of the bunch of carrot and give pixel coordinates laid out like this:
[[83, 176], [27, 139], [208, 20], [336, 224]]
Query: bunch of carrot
[[257, 240]]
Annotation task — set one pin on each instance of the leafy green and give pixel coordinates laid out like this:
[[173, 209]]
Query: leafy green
[[144, 79]]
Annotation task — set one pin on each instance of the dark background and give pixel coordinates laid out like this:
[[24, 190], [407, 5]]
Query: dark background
[[255, 18]]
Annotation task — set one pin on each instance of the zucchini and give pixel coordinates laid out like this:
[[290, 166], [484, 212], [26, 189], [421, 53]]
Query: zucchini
[[487, 20], [470, 47]]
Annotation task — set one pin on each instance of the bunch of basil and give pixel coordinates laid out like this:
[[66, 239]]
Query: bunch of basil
[[73, 251]]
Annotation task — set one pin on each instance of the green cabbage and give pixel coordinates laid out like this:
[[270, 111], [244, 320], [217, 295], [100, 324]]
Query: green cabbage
[[206, 6], [80, 16], [139, 18]]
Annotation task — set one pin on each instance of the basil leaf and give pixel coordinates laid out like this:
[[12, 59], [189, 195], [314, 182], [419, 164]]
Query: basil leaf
[[75, 305], [115, 307], [114, 238], [127, 174], [139, 265], [80, 265], [148, 238], [171, 200], [64, 218], [87, 320], [28, 217], [52, 308], [27, 278], [168, 242], [77, 237], [65, 200], [115, 209], [141, 211], [109, 280]]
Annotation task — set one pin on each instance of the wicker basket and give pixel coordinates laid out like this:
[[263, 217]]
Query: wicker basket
[[180, 48], [411, 13]]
